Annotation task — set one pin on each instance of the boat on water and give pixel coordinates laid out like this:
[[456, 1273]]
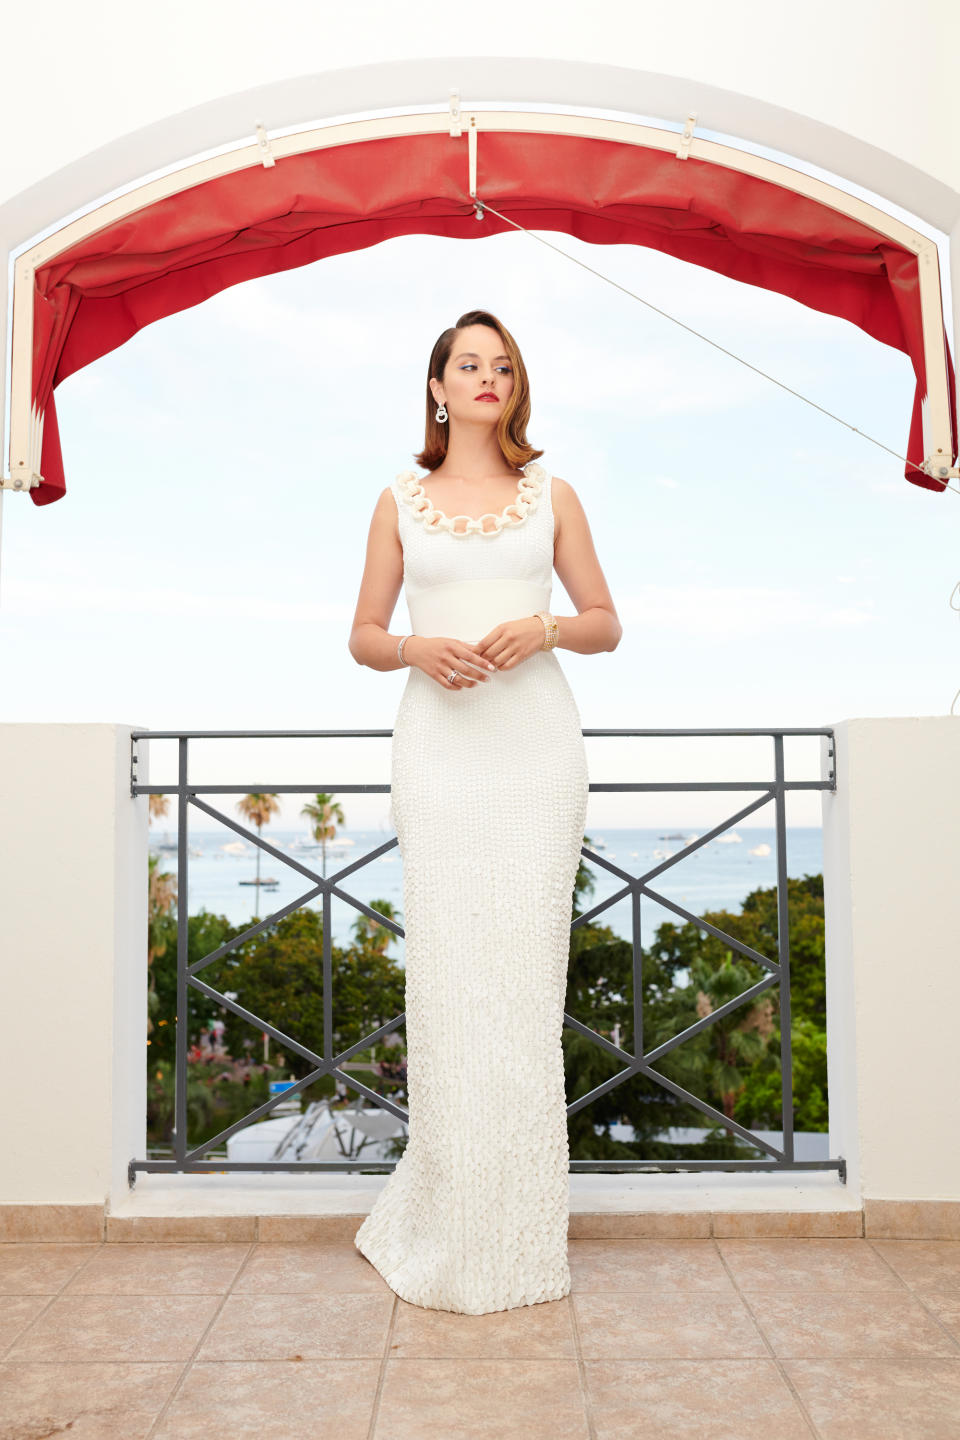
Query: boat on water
[[339, 842]]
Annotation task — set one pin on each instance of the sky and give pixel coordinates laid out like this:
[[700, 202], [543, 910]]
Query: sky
[[769, 566]]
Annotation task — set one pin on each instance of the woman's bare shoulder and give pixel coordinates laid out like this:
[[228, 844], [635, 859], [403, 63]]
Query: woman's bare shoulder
[[387, 501], [563, 493], [385, 517]]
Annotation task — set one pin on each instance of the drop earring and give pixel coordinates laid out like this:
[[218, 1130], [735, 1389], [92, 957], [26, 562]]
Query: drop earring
[[441, 414]]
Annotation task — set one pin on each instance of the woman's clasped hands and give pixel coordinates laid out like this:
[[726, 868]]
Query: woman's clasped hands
[[501, 649]]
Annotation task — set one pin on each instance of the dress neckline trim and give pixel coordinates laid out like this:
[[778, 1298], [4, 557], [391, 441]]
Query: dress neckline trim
[[529, 485]]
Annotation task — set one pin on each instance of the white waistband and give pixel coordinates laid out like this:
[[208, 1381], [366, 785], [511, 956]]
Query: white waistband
[[468, 609]]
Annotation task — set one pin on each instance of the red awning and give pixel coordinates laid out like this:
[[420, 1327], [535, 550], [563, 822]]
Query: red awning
[[187, 247]]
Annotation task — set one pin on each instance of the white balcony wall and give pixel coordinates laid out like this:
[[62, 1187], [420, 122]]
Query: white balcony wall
[[891, 848], [73, 963]]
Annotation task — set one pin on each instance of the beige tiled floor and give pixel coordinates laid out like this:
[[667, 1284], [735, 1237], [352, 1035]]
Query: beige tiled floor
[[723, 1339]]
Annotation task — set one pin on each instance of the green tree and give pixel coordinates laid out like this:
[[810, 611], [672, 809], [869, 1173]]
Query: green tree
[[759, 1104], [599, 995], [206, 932], [278, 975], [732, 1064]]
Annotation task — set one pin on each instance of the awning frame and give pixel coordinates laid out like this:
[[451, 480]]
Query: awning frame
[[22, 470]]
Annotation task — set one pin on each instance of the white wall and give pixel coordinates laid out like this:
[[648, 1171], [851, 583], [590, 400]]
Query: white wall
[[869, 70], [891, 843], [73, 962]]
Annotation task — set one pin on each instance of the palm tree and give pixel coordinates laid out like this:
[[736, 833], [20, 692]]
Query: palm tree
[[326, 814], [371, 933], [162, 897], [158, 806], [260, 809]]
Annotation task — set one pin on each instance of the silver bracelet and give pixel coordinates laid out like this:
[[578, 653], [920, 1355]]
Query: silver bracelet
[[400, 650]]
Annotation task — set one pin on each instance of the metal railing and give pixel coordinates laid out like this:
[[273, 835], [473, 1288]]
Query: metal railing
[[635, 1063]]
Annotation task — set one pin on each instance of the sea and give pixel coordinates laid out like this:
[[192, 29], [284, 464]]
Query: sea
[[718, 875]]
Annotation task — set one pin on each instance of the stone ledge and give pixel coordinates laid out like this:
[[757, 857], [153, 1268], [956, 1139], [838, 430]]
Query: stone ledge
[[317, 1206]]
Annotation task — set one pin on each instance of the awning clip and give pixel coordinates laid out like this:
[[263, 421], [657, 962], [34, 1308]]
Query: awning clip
[[263, 144], [686, 139]]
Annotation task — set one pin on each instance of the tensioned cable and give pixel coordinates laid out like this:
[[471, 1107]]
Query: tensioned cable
[[482, 205]]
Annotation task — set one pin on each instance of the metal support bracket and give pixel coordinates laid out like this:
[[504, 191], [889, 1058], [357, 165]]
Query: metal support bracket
[[263, 145], [686, 140], [472, 161], [456, 129], [23, 480], [936, 468]]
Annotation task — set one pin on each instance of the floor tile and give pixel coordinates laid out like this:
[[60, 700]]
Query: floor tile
[[281, 1268], [98, 1401], [481, 1400], [635, 1325], [117, 1327], [186, 1229], [881, 1323], [889, 1399], [945, 1306], [17, 1312], [525, 1332], [51, 1222], [680, 1399], [803, 1264], [923, 1264], [279, 1399], [160, 1269], [787, 1225], [647, 1265], [912, 1220], [40, 1269], [305, 1327]]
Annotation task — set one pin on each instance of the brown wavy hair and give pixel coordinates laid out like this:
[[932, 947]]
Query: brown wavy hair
[[512, 425]]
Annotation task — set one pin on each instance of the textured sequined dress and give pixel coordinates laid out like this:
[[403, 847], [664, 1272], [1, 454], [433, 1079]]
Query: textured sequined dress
[[489, 797]]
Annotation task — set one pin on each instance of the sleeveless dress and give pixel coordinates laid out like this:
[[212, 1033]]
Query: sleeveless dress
[[489, 793]]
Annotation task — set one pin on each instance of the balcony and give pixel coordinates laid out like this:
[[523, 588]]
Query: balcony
[[784, 1286]]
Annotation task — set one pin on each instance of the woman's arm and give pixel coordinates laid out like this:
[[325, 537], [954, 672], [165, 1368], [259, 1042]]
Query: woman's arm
[[369, 643], [597, 626]]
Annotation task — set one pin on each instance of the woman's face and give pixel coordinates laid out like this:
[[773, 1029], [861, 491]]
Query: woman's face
[[477, 366]]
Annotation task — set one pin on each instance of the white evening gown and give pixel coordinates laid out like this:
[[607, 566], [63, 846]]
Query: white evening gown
[[489, 797]]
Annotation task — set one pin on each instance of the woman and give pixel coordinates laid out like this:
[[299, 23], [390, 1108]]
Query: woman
[[489, 797]]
